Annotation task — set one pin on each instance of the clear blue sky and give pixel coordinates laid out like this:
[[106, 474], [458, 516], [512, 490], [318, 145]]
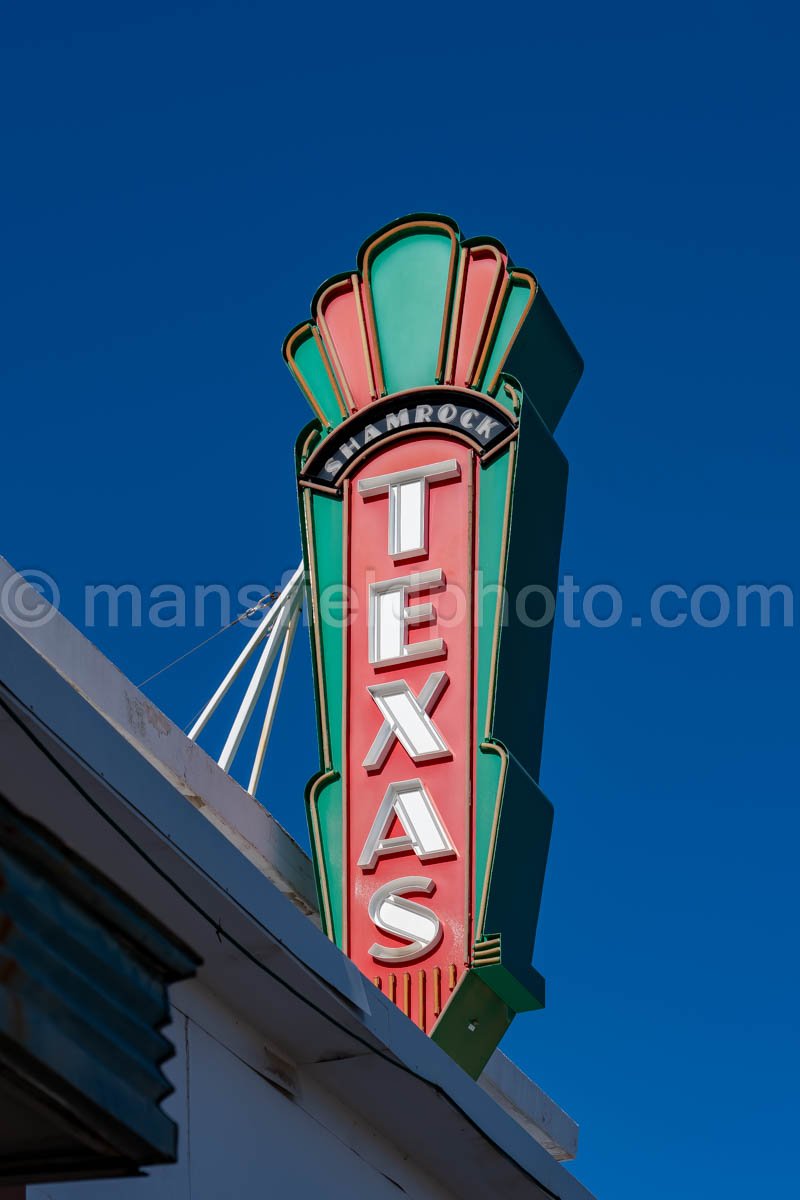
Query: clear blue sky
[[178, 178]]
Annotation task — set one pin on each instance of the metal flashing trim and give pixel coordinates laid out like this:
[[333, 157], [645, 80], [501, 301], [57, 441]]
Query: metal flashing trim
[[84, 972]]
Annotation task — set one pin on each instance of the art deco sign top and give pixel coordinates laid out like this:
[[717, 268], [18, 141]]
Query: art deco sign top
[[431, 489]]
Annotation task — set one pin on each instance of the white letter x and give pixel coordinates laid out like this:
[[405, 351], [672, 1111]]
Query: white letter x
[[405, 717]]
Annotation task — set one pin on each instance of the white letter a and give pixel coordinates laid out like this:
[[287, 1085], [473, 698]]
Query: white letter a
[[425, 833]]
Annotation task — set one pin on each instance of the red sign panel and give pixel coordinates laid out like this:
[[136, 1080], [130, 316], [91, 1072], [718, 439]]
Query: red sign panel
[[409, 720]]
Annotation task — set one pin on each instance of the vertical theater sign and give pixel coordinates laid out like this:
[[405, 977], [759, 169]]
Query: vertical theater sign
[[432, 498]]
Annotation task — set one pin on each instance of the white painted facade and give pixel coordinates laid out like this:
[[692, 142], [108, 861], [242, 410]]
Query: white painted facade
[[242, 1134]]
